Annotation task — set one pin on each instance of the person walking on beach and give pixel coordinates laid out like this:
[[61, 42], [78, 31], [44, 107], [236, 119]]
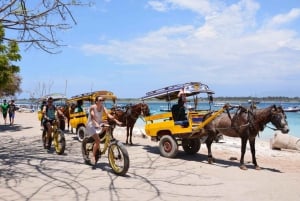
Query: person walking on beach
[[4, 109], [11, 112], [95, 122]]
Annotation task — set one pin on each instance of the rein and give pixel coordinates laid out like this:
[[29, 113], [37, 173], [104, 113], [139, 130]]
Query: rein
[[231, 127], [274, 129]]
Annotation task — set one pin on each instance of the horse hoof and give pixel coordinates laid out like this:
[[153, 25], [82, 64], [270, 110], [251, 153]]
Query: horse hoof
[[210, 161], [243, 167], [257, 168]]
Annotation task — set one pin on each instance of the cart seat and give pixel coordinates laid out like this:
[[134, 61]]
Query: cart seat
[[184, 123]]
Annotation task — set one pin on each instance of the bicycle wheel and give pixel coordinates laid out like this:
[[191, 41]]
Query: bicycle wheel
[[87, 150], [59, 141], [118, 158]]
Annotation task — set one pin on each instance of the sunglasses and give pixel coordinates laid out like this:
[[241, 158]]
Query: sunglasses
[[101, 100]]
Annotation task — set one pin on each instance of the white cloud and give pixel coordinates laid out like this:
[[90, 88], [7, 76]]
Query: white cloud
[[202, 7], [228, 48], [282, 19], [158, 6]]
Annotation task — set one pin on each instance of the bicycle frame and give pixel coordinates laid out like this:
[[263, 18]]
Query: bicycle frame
[[117, 153]]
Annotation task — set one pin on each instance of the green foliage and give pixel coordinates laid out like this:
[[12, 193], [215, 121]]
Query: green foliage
[[9, 78]]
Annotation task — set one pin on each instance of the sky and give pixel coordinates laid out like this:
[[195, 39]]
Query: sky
[[130, 47]]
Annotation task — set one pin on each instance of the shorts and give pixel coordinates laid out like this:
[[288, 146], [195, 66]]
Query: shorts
[[45, 121], [4, 115], [12, 115], [91, 129]]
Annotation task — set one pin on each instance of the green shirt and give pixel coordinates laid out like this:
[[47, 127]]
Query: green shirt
[[4, 108]]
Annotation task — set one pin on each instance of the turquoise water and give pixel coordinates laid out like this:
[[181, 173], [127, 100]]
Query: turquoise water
[[293, 118]]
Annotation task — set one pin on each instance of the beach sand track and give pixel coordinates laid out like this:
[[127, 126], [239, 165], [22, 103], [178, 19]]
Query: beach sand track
[[28, 172]]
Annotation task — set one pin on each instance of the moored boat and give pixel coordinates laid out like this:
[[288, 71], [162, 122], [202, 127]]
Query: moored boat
[[292, 109]]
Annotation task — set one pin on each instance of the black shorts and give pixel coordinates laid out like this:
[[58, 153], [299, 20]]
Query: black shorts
[[45, 121]]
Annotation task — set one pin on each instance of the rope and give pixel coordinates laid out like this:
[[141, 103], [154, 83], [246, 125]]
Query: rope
[[274, 129], [236, 127]]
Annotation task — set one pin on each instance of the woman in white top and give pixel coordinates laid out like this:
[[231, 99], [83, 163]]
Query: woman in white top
[[94, 122]]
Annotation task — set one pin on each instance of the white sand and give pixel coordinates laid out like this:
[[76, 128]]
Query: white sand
[[28, 172]]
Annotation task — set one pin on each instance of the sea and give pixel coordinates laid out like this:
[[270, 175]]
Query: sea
[[293, 118]]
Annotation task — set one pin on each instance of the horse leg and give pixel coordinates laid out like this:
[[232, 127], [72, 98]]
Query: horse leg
[[127, 134], [243, 150], [130, 135], [252, 146], [208, 142]]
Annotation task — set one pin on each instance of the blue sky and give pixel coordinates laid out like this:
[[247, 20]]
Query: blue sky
[[238, 48]]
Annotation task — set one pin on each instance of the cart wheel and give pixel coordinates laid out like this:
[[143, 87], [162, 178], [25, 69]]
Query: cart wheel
[[191, 146], [168, 146], [81, 133]]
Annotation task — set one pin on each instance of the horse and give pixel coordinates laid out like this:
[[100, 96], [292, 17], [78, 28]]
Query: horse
[[129, 115], [246, 125]]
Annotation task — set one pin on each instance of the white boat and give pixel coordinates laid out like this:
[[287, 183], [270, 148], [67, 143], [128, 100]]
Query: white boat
[[292, 109]]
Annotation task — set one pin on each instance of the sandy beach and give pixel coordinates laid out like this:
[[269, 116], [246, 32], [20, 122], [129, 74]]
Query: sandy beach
[[28, 172]]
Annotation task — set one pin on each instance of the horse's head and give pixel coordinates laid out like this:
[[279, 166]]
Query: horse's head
[[145, 111], [278, 119]]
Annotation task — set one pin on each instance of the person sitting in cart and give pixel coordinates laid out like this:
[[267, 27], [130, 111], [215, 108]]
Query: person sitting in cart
[[178, 110], [79, 106]]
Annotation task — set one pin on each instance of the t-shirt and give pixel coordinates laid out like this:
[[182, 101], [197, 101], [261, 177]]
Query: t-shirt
[[50, 112], [12, 108], [4, 108], [178, 112], [78, 109]]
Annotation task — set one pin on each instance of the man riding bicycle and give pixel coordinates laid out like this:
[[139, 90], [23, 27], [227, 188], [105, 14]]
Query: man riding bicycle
[[49, 116]]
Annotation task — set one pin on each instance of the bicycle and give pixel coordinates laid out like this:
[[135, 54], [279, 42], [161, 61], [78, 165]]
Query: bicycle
[[58, 138], [117, 154]]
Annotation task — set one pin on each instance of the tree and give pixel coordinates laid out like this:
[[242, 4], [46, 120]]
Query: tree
[[33, 23], [9, 78], [36, 22]]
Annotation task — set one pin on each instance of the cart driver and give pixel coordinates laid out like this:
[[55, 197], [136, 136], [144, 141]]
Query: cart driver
[[178, 110]]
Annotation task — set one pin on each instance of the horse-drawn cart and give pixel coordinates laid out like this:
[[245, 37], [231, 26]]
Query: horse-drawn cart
[[78, 118], [189, 133]]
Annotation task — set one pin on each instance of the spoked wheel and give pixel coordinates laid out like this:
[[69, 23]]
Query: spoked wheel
[[118, 158], [59, 142], [168, 146], [87, 150], [191, 146], [81, 133]]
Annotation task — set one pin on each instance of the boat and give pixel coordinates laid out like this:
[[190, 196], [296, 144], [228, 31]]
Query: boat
[[292, 109]]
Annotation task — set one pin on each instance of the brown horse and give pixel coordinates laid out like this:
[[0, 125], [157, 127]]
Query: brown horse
[[129, 115], [246, 125]]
